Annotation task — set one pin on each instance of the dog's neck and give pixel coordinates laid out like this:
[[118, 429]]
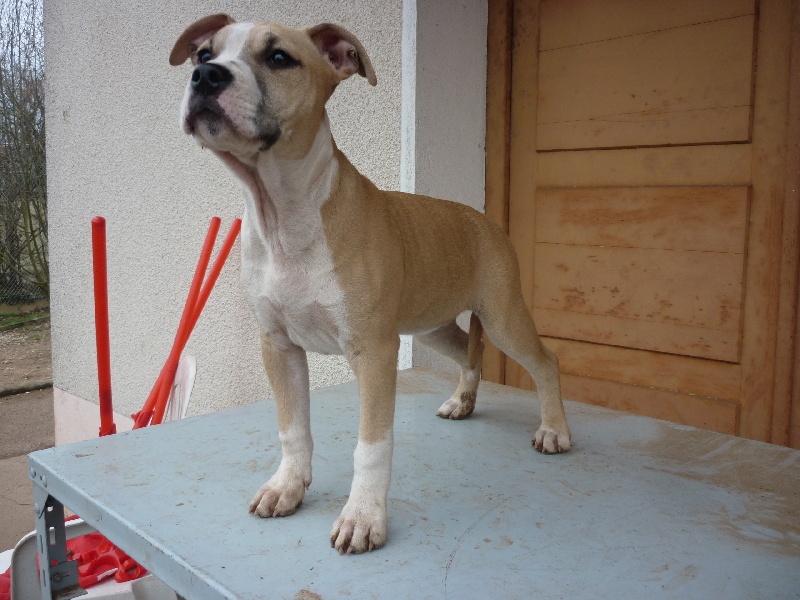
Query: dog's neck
[[284, 196]]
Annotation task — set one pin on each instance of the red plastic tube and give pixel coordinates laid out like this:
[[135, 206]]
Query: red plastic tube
[[154, 408], [153, 411], [216, 268], [185, 328], [100, 267]]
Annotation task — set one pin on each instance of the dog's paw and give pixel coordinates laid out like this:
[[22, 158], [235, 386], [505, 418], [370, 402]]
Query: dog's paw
[[278, 499], [458, 407], [359, 529], [550, 441]]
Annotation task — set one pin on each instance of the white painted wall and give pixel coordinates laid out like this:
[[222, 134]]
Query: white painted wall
[[444, 134], [115, 149]]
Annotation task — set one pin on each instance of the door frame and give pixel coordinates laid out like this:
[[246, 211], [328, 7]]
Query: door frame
[[770, 400]]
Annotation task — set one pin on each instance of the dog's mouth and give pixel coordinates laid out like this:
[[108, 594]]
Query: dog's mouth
[[206, 118], [206, 111]]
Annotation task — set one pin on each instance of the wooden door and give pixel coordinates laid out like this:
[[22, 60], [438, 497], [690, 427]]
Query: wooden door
[[639, 153]]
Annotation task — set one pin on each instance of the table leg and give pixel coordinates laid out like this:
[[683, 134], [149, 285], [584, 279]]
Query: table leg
[[58, 576]]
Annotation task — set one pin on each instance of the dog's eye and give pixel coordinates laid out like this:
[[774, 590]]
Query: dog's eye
[[279, 59], [203, 55]]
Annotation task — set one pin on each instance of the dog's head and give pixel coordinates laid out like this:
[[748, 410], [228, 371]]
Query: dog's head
[[257, 86]]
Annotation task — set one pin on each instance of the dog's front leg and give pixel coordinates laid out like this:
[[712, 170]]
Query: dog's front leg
[[363, 522], [287, 370]]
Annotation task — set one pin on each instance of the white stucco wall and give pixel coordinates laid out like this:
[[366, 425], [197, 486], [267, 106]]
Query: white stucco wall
[[115, 149], [447, 126]]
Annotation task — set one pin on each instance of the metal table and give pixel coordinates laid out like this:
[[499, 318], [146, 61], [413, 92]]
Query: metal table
[[637, 507]]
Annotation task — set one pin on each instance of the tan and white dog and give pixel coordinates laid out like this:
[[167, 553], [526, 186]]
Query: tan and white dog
[[332, 264]]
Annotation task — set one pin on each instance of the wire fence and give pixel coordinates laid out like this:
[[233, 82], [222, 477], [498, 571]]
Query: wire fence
[[15, 290], [23, 240], [23, 196], [23, 237]]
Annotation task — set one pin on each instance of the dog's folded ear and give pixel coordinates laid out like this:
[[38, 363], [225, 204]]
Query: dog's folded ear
[[194, 35], [343, 51]]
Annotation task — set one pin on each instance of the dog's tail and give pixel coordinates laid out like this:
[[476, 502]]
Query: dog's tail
[[475, 345]]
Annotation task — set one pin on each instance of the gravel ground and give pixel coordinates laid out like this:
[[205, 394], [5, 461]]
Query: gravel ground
[[26, 423], [25, 356]]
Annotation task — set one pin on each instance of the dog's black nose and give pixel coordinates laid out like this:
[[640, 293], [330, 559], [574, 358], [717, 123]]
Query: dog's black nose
[[209, 79]]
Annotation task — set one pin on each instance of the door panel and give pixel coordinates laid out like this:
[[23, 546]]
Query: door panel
[[574, 22], [659, 370], [674, 165], [707, 219], [649, 268], [682, 85], [638, 168]]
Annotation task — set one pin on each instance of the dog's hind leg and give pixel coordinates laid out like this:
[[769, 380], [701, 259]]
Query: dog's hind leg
[[510, 326], [465, 350]]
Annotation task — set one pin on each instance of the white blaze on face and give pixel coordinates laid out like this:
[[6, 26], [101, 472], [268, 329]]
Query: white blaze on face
[[235, 42], [240, 100]]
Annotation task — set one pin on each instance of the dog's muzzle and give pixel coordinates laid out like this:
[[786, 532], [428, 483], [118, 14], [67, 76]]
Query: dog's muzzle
[[207, 83], [209, 79]]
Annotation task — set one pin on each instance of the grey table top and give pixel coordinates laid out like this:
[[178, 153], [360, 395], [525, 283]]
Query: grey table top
[[637, 508]]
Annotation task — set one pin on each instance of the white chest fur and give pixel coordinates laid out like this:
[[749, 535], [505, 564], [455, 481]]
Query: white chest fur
[[287, 269], [298, 295]]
